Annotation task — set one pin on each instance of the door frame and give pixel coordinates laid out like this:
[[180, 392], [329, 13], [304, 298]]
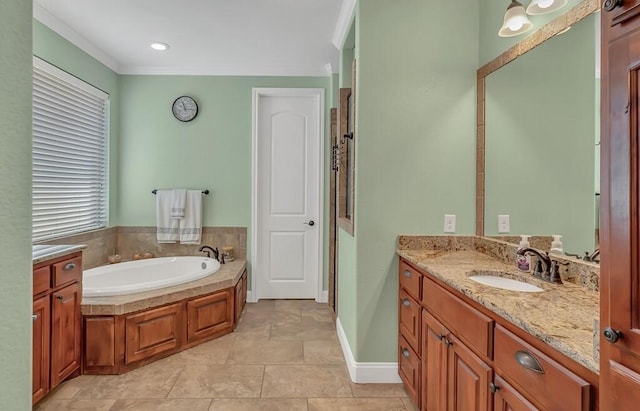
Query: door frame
[[257, 93]]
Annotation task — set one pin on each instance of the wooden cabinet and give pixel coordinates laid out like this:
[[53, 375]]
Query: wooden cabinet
[[153, 332], [211, 315], [240, 297], [57, 322], [507, 398], [41, 339], [454, 377], [467, 353], [620, 208]]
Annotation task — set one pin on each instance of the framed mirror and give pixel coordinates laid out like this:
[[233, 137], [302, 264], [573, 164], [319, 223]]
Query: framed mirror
[[538, 134]]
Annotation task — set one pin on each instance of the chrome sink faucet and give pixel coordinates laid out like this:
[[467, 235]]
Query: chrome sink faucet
[[545, 268]]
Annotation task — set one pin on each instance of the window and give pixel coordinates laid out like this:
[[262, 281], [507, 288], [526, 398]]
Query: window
[[70, 129]]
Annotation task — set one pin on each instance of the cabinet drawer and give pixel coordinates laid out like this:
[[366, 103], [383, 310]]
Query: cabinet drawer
[[410, 280], [41, 279], [410, 320], [67, 271], [409, 368], [539, 377], [467, 323]]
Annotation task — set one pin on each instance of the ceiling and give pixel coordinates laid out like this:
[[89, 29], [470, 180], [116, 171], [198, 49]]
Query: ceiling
[[206, 37]]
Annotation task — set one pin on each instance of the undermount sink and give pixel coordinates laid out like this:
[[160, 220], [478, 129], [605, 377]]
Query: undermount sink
[[500, 281]]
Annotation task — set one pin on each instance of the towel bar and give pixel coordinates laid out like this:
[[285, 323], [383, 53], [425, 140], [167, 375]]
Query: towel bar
[[205, 191]]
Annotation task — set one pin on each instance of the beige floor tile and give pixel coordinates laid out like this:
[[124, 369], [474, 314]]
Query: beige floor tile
[[151, 381], [209, 353], [409, 405], [318, 314], [162, 405], [75, 404], [285, 381], [378, 390], [219, 381], [266, 352], [253, 330], [262, 404], [356, 404], [68, 389], [323, 352], [307, 329]]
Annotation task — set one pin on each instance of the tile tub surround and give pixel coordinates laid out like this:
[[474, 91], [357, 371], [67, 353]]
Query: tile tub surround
[[226, 277], [226, 374], [127, 241], [561, 316]]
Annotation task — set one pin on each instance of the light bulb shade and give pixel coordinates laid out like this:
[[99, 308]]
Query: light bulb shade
[[515, 21], [537, 7]]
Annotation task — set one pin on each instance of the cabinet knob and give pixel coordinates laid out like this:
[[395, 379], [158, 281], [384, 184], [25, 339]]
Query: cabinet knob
[[609, 5], [34, 317], [69, 266], [528, 361], [407, 273], [440, 336], [493, 388], [405, 353], [611, 335], [59, 297], [447, 342], [406, 302]]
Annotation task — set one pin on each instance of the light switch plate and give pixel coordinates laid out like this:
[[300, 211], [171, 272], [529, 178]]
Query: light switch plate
[[503, 224], [449, 223]]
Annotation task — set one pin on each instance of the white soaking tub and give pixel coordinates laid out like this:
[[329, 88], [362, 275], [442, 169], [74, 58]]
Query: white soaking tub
[[144, 275]]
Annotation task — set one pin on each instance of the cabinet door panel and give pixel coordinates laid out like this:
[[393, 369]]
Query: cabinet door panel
[[410, 320], [153, 332], [65, 333], [507, 398], [209, 315], [468, 379], [41, 335], [409, 368], [434, 364]]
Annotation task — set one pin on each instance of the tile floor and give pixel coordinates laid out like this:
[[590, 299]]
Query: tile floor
[[283, 356]]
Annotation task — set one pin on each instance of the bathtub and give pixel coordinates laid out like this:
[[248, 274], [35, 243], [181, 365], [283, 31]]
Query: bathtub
[[144, 275]]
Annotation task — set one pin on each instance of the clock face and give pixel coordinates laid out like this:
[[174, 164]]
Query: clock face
[[185, 108]]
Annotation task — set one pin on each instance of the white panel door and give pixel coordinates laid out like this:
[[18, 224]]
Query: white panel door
[[287, 208]]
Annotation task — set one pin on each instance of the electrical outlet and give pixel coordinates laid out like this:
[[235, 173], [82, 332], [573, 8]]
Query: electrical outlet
[[449, 223], [503, 224]]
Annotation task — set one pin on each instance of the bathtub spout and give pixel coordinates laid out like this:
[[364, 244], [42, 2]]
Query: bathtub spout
[[208, 250]]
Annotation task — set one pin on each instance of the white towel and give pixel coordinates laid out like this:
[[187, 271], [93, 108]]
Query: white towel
[[178, 200], [191, 224], [167, 227]]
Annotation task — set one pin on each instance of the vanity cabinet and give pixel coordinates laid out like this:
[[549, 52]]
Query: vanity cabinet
[[472, 359], [620, 208], [240, 297], [57, 322]]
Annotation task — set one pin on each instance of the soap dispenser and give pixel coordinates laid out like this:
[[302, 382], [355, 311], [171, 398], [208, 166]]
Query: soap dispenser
[[556, 245], [523, 262]]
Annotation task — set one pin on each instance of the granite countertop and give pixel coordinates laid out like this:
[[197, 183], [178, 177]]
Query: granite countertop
[[44, 252], [562, 316], [226, 277]]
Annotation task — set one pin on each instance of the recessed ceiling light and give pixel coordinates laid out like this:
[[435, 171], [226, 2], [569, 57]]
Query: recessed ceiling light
[[159, 46]]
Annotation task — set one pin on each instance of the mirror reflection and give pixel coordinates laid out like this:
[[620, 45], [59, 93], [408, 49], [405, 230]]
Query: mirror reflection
[[542, 135]]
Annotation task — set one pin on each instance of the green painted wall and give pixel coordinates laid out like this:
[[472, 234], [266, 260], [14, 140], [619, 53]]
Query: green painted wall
[[56, 50], [15, 205], [491, 18], [213, 151], [415, 148], [539, 148]]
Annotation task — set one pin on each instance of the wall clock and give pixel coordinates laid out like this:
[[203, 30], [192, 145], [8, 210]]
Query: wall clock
[[185, 108]]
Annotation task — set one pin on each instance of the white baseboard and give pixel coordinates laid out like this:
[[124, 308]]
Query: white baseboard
[[251, 298], [366, 372], [324, 297]]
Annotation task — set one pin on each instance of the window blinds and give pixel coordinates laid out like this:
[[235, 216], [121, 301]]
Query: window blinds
[[70, 129]]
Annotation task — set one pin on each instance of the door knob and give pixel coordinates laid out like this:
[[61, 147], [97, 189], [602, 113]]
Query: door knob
[[611, 335], [311, 223]]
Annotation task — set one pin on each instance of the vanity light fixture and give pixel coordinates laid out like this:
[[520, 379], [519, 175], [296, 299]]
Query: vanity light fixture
[[537, 7], [159, 46], [515, 21]]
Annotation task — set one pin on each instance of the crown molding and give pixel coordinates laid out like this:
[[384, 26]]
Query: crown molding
[[45, 17], [265, 71], [344, 23]]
